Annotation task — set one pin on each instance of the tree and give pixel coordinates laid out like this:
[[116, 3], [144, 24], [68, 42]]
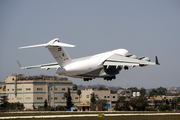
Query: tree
[[75, 87], [142, 91], [113, 92], [79, 93], [103, 103], [20, 106], [153, 92], [34, 107], [133, 89], [121, 104], [138, 103], [93, 99], [45, 104], [165, 107], [4, 102], [161, 91], [66, 95], [158, 91], [69, 103]]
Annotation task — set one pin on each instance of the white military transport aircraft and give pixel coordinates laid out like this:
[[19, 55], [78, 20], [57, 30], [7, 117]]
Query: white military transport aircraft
[[105, 65]]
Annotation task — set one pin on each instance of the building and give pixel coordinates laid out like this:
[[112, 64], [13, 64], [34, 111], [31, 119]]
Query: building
[[99, 94], [124, 92], [35, 90], [86, 96]]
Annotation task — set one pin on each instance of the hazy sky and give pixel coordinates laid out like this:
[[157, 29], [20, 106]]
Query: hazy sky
[[144, 28]]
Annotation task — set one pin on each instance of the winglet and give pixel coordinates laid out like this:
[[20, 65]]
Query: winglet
[[19, 64], [157, 63]]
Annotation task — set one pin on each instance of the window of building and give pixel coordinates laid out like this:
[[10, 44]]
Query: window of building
[[12, 98], [96, 96], [108, 96], [113, 96], [12, 89], [113, 102], [27, 98], [63, 89], [28, 88], [19, 98], [12, 78], [39, 88], [7, 89], [39, 98], [63, 98], [87, 96], [104, 96], [19, 89], [55, 98], [76, 97], [55, 89]]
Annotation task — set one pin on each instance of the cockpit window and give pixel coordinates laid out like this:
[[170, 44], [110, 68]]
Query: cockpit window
[[56, 41]]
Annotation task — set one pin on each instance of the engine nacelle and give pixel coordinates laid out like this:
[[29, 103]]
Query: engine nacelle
[[132, 56], [145, 59]]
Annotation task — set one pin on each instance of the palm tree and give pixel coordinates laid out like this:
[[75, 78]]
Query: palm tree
[[66, 95], [79, 93]]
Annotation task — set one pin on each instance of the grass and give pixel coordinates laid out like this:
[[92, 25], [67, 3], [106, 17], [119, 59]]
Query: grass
[[165, 117]]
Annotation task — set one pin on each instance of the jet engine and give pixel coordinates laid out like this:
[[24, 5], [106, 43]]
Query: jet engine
[[145, 59], [132, 56]]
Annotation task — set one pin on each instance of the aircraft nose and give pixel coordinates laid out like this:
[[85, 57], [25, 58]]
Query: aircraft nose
[[60, 71]]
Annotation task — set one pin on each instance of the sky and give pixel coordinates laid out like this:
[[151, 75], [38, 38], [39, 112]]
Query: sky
[[145, 28]]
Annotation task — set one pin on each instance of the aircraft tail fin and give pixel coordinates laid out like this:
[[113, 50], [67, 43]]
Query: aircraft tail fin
[[57, 51]]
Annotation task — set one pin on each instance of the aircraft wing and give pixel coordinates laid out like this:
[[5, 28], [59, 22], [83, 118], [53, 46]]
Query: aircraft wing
[[118, 60], [42, 66]]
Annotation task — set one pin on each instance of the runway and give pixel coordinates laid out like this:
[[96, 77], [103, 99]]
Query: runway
[[87, 115]]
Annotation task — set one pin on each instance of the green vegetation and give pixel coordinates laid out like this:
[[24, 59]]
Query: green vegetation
[[10, 106], [135, 89], [158, 91], [122, 105], [93, 99], [100, 103], [69, 103], [79, 93]]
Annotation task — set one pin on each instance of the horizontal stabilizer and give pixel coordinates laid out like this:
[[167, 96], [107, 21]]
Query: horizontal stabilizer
[[42, 66], [32, 46], [53, 43]]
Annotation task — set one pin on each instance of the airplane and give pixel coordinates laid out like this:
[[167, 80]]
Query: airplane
[[104, 65]]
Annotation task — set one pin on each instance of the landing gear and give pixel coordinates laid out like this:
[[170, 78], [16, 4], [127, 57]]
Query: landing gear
[[87, 79], [109, 78], [126, 67]]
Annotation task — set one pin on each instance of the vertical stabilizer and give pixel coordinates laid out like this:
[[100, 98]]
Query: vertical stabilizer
[[58, 52], [60, 55]]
